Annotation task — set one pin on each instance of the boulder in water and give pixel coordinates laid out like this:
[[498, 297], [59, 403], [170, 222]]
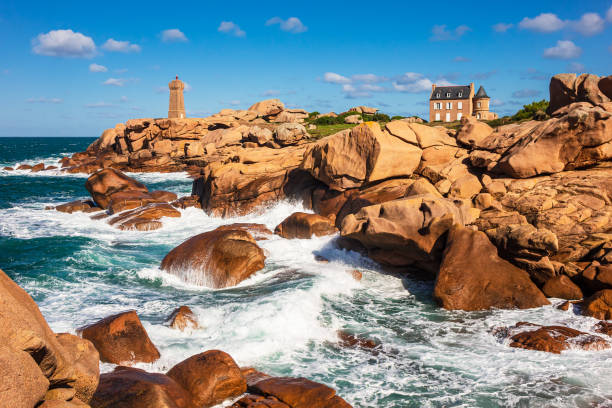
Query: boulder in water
[[599, 305], [210, 377], [121, 338], [183, 318], [299, 393], [218, 259], [106, 182], [552, 339], [304, 226]]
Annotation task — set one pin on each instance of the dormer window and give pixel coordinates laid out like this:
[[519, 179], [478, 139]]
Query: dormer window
[[460, 94], [448, 94], [438, 95]]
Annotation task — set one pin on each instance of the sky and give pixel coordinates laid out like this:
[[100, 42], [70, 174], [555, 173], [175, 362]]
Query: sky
[[77, 68]]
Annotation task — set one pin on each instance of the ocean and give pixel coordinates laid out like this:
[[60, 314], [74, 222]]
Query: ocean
[[283, 320]]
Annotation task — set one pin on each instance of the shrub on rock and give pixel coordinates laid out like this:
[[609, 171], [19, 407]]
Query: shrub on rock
[[121, 338]]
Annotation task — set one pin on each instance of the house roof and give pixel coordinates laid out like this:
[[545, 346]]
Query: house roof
[[440, 92], [481, 93]]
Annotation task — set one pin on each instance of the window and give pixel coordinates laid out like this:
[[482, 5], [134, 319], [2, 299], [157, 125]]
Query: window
[[438, 95], [438, 105], [459, 115], [448, 94], [437, 117], [460, 94], [478, 115], [479, 104], [459, 105], [448, 116], [449, 105]]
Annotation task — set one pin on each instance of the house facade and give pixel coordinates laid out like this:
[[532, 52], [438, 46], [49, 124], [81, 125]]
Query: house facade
[[451, 103]]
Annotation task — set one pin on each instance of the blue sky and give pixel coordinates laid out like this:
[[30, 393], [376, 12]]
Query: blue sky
[[76, 68]]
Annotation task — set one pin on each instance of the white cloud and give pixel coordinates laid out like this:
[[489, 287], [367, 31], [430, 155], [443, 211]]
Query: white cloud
[[544, 23], [292, 24], [351, 92], [412, 82], [98, 105], [173, 35], [64, 43], [121, 70], [589, 24], [497, 102], [229, 27], [441, 33], [563, 50], [123, 99], [334, 78], [187, 87], [44, 100], [118, 81], [576, 67], [609, 14], [120, 46], [525, 93], [234, 103], [370, 78], [502, 27], [271, 92], [97, 68]]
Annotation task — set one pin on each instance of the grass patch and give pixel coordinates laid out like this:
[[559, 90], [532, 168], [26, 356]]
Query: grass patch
[[326, 130]]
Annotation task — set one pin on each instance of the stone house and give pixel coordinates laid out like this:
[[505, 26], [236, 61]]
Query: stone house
[[451, 103]]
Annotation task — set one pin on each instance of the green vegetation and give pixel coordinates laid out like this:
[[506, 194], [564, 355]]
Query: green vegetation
[[535, 110], [326, 130]]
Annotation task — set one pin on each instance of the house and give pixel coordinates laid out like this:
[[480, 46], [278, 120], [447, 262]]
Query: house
[[451, 103]]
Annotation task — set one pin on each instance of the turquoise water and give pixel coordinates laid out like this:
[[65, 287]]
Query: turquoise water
[[283, 320]]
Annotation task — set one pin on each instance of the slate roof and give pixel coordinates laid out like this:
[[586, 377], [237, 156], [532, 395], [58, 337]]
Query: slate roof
[[454, 91], [481, 93]]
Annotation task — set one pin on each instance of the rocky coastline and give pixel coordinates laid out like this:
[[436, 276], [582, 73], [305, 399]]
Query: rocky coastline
[[505, 217]]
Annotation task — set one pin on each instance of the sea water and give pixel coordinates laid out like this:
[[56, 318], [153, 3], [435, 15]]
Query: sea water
[[284, 319]]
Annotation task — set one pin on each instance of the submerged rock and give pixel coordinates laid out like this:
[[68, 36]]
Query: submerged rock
[[218, 259], [210, 377], [121, 338], [552, 339], [183, 318], [473, 277]]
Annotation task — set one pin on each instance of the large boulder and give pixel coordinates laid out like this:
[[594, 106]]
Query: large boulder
[[121, 338], [363, 154], [304, 226], [473, 277], [144, 218], [128, 387], [473, 131], [210, 377], [85, 361], [561, 287], [406, 232], [32, 359], [288, 134], [552, 339], [364, 109], [605, 86], [269, 107], [299, 393], [104, 183], [217, 259], [599, 305], [566, 89]]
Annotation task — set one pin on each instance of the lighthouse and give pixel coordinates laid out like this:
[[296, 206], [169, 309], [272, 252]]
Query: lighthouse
[[177, 103]]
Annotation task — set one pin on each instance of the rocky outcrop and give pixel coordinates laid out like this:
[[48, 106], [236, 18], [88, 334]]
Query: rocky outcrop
[[103, 184], [34, 363], [217, 259], [297, 393], [210, 377], [145, 218], [566, 89], [183, 318], [364, 109], [409, 232], [128, 387], [289, 134], [121, 338], [552, 339], [302, 225], [473, 277], [85, 360], [562, 287]]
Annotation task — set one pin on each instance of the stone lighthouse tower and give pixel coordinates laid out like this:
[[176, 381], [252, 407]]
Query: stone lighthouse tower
[[177, 103]]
